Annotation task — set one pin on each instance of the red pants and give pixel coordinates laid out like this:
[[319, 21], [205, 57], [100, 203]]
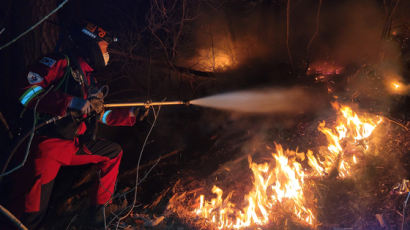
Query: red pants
[[52, 153]]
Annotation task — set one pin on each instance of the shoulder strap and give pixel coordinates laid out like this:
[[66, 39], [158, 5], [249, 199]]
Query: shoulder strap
[[76, 66], [66, 74]]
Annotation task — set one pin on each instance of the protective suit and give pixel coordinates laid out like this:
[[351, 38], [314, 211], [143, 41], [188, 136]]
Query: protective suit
[[66, 87]]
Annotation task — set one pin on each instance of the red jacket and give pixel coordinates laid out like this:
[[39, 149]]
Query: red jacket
[[53, 70]]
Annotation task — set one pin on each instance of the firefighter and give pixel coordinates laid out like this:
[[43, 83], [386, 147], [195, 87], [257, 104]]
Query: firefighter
[[64, 85]]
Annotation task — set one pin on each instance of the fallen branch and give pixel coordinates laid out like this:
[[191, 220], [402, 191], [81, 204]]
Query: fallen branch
[[6, 125], [397, 123], [71, 221], [11, 217], [154, 163], [150, 163]]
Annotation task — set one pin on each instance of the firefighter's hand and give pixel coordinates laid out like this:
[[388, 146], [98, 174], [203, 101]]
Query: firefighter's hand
[[97, 104], [140, 113], [80, 105], [98, 95]]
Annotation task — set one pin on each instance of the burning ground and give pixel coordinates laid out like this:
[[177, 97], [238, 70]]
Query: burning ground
[[346, 182]]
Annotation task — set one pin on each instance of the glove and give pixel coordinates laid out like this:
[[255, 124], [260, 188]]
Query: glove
[[100, 93], [97, 105], [96, 97], [140, 113], [80, 105]]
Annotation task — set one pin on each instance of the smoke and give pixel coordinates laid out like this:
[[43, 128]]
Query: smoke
[[283, 101], [351, 36], [225, 38], [228, 36], [351, 32]]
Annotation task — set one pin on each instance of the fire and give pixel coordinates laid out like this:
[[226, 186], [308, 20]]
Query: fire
[[351, 130], [276, 184], [215, 60], [396, 85], [280, 186]]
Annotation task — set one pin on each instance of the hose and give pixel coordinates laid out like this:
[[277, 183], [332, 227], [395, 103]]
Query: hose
[[28, 134], [21, 141]]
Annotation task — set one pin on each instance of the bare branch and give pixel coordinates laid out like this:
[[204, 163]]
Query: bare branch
[[389, 19], [316, 30], [34, 26], [287, 33], [138, 165]]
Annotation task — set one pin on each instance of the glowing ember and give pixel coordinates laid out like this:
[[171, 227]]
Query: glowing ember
[[280, 186], [215, 60], [396, 85], [324, 68]]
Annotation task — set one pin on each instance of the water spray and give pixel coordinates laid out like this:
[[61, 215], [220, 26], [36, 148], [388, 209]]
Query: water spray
[[262, 101]]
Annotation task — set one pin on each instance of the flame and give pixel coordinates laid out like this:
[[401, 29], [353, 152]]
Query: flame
[[279, 185], [351, 130], [275, 184], [396, 85], [215, 60]]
